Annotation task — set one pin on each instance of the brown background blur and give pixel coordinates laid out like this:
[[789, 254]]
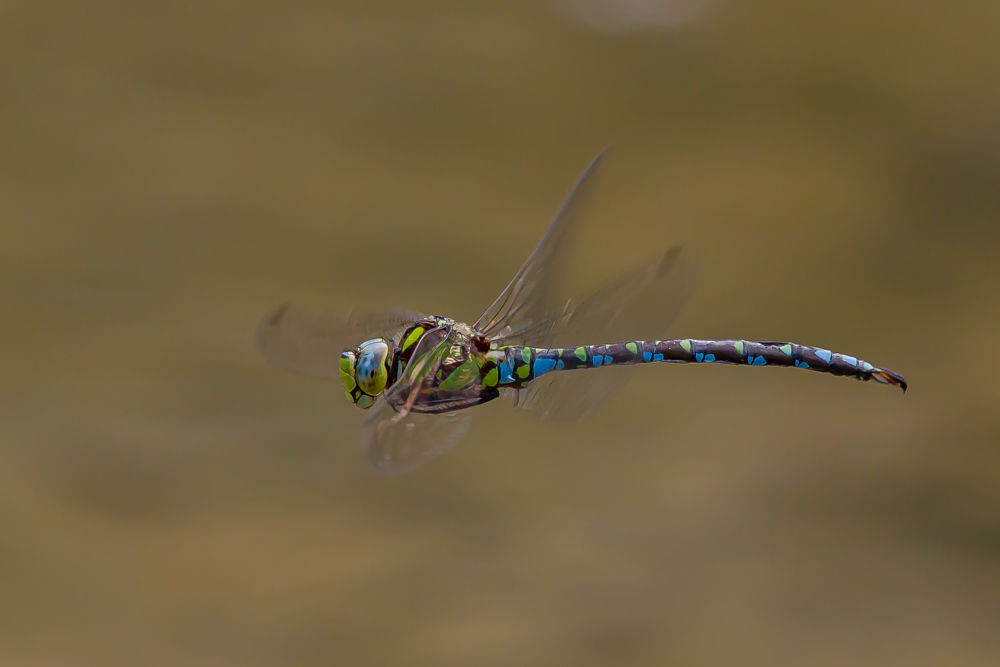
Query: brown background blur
[[171, 171]]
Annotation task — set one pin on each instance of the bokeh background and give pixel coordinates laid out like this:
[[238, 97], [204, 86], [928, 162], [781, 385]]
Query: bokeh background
[[169, 172]]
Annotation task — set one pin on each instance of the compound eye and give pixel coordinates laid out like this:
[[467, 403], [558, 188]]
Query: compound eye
[[370, 372]]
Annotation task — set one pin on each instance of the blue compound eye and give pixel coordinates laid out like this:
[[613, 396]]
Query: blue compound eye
[[370, 372]]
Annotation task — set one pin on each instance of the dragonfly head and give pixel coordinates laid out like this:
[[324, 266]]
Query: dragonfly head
[[365, 371]]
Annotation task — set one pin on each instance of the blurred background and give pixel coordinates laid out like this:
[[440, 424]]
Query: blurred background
[[169, 172]]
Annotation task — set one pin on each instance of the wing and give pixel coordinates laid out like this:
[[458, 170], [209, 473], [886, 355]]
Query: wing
[[396, 437], [309, 340], [396, 448], [526, 298], [639, 303], [642, 302]]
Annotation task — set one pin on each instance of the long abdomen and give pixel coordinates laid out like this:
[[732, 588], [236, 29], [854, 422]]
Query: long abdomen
[[689, 350]]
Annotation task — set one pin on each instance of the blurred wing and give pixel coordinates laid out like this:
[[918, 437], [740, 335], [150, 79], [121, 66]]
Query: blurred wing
[[524, 299], [641, 303], [396, 448], [397, 439], [309, 340], [573, 396]]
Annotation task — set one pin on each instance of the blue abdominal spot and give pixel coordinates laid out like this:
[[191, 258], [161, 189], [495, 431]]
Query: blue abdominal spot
[[505, 377], [543, 366]]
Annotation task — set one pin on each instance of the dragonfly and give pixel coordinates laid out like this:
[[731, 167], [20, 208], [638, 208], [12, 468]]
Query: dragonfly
[[417, 376]]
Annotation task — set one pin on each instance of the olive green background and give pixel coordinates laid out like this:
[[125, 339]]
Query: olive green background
[[171, 171]]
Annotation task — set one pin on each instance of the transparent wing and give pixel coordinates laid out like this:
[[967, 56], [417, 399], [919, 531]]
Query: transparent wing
[[527, 298], [396, 448], [573, 396], [641, 303], [396, 437], [427, 357], [309, 340]]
